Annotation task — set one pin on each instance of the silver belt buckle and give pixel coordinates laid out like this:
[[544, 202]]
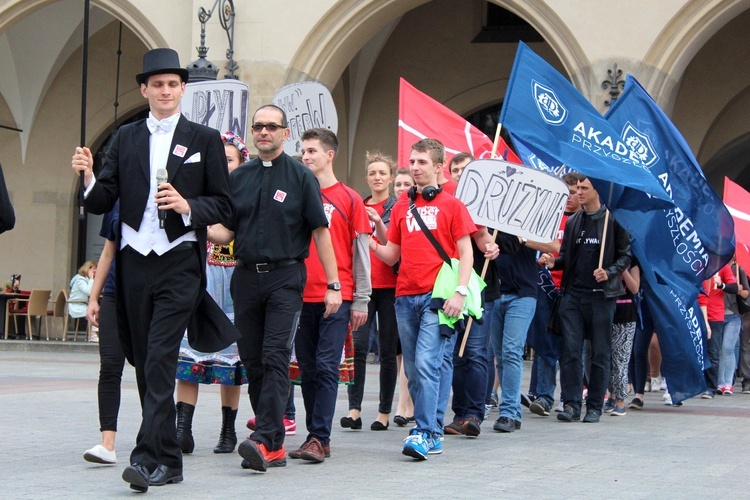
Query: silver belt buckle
[[260, 268]]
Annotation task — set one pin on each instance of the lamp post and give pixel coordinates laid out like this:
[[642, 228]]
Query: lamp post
[[202, 69]]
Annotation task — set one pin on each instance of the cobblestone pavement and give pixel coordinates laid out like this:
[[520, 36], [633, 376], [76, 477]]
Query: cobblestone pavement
[[49, 417]]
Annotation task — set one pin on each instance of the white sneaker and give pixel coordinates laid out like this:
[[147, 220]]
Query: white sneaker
[[560, 408], [666, 396], [663, 385], [655, 383], [647, 386], [100, 455]]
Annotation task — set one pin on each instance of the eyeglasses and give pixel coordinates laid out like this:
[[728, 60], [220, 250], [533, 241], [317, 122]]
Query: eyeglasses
[[271, 127]]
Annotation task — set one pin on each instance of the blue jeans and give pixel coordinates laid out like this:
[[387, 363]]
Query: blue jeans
[[547, 347], [586, 316], [318, 346], [510, 324], [423, 348], [728, 356], [470, 371], [446, 378]]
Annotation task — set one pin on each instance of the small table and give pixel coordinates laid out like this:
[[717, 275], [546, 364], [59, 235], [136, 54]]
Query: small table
[[4, 298]]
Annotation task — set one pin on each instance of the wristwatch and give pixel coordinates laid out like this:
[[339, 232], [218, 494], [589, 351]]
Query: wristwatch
[[462, 290], [336, 286], [524, 241]]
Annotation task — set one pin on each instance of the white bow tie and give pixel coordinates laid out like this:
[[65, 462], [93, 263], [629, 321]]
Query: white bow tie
[[164, 126]]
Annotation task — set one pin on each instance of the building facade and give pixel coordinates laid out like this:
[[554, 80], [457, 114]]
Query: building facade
[[691, 55]]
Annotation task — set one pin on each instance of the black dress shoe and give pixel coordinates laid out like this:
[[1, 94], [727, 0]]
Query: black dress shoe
[[138, 477], [163, 475], [350, 423], [379, 426]]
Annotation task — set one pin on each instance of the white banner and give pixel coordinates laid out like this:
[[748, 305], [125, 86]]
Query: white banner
[[307, 105], [514, 199], [219, 104]]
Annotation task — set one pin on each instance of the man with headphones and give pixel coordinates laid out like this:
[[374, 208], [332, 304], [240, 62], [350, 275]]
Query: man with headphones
[[422, 343]]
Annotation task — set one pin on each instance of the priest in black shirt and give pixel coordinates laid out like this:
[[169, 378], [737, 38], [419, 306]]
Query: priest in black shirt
[[278, 209]]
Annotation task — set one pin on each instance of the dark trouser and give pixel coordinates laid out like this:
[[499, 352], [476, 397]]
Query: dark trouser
[[745, 351], [470, 371], [585, 316], [318, 346], [711, 374], [111, 361], [639, 359], [381, 302], [160, 296], [267, 307]]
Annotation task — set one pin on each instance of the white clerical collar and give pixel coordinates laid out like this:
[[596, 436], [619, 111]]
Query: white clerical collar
[[267, 163]]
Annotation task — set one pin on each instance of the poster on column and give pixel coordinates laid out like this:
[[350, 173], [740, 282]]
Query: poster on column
[[513, 199], [219, 104], [307, 105]]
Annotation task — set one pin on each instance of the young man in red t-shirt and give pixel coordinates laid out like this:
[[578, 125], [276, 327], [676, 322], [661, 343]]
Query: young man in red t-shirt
[[321, 336], [422, 344]]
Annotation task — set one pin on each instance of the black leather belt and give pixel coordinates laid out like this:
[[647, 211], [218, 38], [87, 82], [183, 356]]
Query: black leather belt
[[264, 267]]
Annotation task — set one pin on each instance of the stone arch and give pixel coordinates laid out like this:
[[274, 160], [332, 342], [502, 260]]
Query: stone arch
[[679, 42], [123, 10], [346, 28]]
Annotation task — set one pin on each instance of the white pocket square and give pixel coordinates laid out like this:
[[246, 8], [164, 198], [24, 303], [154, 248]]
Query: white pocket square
[[194, 159]]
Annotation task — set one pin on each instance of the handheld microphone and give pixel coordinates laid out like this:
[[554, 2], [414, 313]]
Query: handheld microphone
[[161, 178]]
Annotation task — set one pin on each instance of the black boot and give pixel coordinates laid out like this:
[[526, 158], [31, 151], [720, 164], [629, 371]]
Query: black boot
[[185, 426], [228, 436]]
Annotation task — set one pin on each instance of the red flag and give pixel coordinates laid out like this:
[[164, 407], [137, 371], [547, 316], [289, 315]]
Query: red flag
[[737, 201], [420, 116]]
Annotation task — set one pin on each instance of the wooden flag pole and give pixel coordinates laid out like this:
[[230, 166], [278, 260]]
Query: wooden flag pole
[[470, 322]]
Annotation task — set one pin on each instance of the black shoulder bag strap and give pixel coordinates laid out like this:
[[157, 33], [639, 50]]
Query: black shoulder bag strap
[[343, 214], [428, 233]]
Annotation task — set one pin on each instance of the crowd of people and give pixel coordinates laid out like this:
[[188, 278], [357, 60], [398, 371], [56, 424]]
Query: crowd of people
[[224, 264]]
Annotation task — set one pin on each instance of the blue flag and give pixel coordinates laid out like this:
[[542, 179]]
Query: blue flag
[[699, 227], [548, 114], [680, 246]]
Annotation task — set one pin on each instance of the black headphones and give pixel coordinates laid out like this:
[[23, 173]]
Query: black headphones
[[429, 193]]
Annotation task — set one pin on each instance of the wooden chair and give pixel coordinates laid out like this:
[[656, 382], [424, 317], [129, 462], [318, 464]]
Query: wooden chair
[[86, 332], [33, 307], [59, 310]]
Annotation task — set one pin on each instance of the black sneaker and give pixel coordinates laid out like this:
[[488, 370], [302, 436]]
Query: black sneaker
[[745, 388], [517, 424], [592, 416], [504, 424], [636, 404], [568, 415], [540, 407], [527, 399]]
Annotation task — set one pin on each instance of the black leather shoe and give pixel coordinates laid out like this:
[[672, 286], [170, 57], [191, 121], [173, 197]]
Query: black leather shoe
[[350, 423], [138, 477], [378, 426], [163, 475]]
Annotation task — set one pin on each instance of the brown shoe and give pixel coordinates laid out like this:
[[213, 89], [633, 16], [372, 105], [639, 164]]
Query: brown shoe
[[455, 428], [313, 451], [298, 452], [472, 427]]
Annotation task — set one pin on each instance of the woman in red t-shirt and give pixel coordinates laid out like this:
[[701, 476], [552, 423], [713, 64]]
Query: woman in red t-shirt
[[379, 176]]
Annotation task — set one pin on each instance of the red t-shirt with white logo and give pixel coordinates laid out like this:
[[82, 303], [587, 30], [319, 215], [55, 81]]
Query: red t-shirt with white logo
[[557, 273], [343, 233], [382, 274], [448, 220]]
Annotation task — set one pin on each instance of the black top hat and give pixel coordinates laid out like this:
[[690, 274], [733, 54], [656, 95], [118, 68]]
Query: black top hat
[[161, 61]]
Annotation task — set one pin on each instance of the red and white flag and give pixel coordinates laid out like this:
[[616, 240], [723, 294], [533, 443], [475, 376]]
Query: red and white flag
[[420, 116], [737, 201]]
